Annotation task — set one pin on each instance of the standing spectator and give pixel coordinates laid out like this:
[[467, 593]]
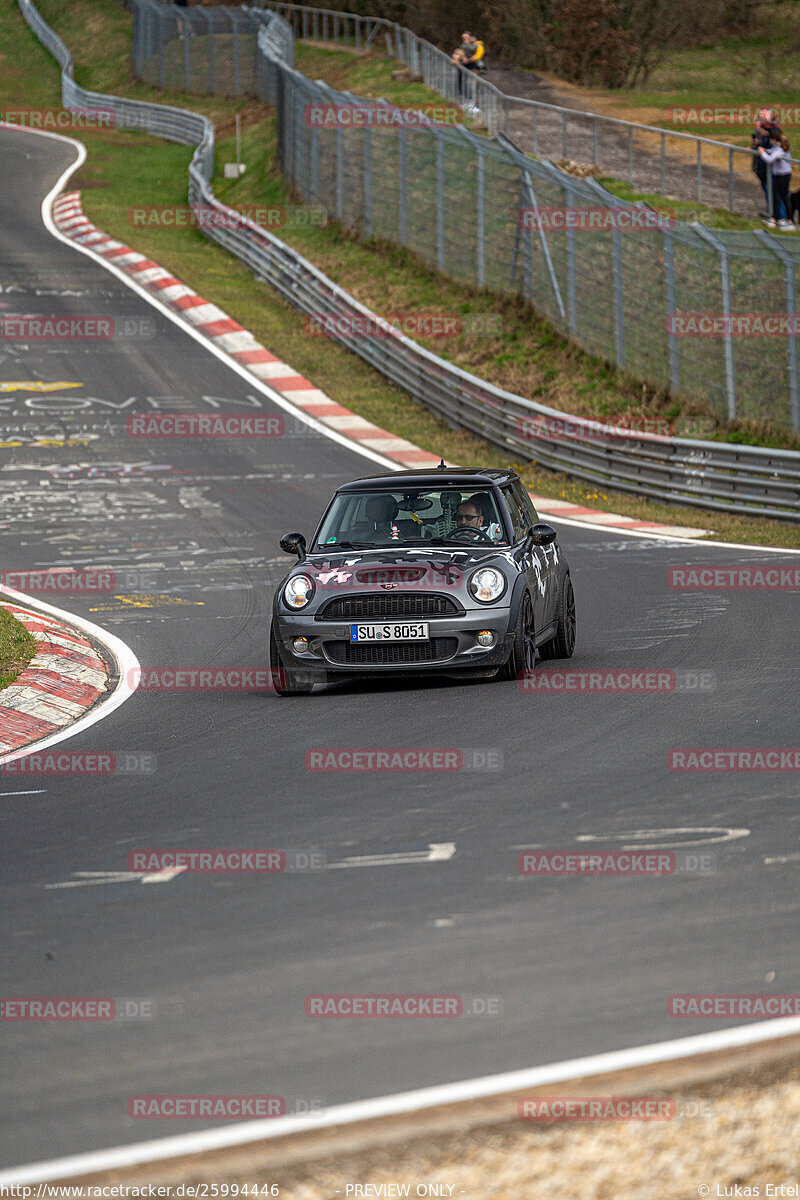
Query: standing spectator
[[778, 159], [760, 138], [458, 58], [469, 56], [474, 52]]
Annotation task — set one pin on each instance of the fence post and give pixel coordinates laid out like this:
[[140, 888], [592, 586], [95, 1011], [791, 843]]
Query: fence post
[[773, 244], [340, 174], [630, 155], [237, 82], [725, 274], [187, 59], [314, 163], [481, 204], [162, 70], [563, 134], [536, 131], [368, 181], [669, 279], [572, 290], [663, 184], [440, 202], [211, 72], [402, 183], [619, 301], [595, 142], [527, 197], [730, 178], [699, 171]]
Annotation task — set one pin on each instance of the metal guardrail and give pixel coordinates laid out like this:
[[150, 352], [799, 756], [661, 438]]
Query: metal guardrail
[[710, 475], [649, 157]]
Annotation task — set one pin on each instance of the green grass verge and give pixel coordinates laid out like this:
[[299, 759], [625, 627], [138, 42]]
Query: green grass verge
[[126, 169], [736, 73], [17, 648]]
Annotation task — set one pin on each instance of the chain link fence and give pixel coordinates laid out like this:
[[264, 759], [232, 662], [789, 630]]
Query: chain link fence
[[707, 314], [649, 158]]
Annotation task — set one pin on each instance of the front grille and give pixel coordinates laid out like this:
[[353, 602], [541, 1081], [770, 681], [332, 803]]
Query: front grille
[[402, 604], [390, 653]]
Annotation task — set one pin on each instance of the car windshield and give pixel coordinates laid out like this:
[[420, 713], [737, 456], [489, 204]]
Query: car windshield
[[453, 516]]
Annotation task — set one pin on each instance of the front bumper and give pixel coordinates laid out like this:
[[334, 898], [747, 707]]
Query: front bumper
[[453, 644]]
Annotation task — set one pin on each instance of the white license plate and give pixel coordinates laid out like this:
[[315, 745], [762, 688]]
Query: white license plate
[[396, 631]]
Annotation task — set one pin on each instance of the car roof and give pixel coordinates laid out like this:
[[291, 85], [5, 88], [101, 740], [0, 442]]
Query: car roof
[[447, 476]]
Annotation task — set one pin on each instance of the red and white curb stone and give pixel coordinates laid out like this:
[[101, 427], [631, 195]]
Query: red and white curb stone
[[65, 677], [239, 343]]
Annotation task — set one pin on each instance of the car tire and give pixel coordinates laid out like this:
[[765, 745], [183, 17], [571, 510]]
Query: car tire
[[563, 644], [285, 681], [523, 650]]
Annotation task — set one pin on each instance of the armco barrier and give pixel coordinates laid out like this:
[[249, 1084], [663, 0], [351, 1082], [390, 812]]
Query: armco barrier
[[712, 475]]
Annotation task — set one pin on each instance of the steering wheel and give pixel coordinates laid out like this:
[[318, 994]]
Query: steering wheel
[[472, 534]]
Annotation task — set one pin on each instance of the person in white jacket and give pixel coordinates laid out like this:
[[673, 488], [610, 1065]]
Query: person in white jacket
[[779, 159]]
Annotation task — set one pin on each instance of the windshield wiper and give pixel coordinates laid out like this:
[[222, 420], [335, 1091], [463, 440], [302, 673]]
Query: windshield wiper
[[332, 547]]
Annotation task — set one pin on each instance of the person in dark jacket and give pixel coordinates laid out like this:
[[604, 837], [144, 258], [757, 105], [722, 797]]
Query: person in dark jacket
[[760, 139]]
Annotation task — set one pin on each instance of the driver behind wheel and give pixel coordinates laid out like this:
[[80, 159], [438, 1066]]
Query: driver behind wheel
[[473, 515]]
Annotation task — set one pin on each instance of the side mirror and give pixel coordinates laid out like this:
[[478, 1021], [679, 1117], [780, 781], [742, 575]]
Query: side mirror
[[542, 535], [294, 543]]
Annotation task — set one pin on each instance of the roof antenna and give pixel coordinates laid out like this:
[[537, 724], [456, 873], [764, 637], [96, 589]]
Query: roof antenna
[[441, 466]]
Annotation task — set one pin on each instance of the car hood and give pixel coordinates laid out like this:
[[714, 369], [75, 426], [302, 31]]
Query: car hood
[[411, 569], [465, 558]]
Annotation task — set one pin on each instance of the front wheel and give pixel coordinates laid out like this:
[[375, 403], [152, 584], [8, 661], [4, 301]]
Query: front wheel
[[285, 681], [562, 645], [523, 650]]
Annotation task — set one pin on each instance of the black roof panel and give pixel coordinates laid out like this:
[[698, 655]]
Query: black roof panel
[[448, 477]]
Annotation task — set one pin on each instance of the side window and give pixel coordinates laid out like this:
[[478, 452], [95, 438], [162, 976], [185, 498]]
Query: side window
[[519, 517], [526, 502]]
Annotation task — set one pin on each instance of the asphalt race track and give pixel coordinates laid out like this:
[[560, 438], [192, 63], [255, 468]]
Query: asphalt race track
[[577, 966]]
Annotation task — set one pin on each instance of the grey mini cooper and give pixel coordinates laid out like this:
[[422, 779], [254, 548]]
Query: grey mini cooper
[[441, 570]]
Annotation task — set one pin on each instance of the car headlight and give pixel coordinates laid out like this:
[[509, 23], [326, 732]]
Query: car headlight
[[487, 584], [298, 591]]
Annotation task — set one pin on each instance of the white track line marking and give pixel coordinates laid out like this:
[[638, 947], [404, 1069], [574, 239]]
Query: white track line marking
[[650, 839], [436, 852], [35, 792], [98, 878], [403, 1102], [126, 661], [176, 319]]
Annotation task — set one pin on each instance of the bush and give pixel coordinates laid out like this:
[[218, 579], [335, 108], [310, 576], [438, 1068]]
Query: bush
[[587, 44]]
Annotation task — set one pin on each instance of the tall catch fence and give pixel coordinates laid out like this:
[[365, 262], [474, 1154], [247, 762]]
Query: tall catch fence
[[704, 474], [650, 158], [481, 211]]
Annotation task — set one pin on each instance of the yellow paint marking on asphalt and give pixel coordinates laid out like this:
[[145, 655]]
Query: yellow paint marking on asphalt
[[35, 385], [143, 600], [49, 443]]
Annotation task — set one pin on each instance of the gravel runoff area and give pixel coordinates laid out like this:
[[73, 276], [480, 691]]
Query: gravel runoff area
[[736, 1125]]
